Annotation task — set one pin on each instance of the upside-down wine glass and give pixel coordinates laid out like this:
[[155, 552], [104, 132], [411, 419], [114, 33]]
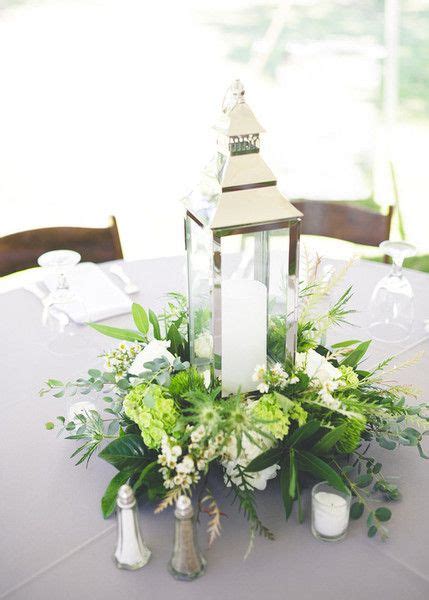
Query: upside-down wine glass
[[64, 334], [392, 301]]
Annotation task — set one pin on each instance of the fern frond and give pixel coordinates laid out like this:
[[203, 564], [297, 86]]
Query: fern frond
[[212, 510], [168, 500]]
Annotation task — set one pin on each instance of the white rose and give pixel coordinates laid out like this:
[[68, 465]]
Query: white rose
[[203, 345], [317, 367], [155, 349], [80, 408], [249, 451]]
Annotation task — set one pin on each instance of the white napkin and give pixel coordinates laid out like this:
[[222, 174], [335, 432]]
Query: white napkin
[[98, 297]]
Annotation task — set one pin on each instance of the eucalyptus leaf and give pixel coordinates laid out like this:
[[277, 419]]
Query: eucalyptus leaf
[[363, 480], [372, 531], [383, 513], [356, 510]]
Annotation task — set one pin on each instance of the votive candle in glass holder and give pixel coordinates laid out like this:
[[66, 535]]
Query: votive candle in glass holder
[[330, 510]]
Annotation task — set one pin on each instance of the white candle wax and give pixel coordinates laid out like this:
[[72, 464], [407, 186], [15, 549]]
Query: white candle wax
[[330, 514], [244, 333]]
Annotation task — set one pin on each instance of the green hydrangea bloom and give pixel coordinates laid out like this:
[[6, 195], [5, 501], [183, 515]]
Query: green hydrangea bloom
[[348, 377], [153, 410], [268, 409], [299, 414]]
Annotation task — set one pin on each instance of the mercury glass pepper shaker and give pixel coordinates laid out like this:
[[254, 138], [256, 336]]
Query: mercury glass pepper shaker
[[131, 552], [187, 562]]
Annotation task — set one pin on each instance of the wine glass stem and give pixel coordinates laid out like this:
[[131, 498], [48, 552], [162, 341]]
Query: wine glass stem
[[397, 266], [62, 282]]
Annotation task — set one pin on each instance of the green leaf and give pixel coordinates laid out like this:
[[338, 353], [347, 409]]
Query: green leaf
[[174, 336], [383, 513], [155, 324], [94, 373], [346, 343], [54, 383], [303, 433], [49, 425], [319, 468], [421, 452], [140, 318], [293, 475], [263, 461], [363, 480], [108, 501], [356, 510], [285, 487], [144, 474], [377, 468], [328, 441], [387, 444], [126, 451], [127, 335], [354, 358], [372, 531]]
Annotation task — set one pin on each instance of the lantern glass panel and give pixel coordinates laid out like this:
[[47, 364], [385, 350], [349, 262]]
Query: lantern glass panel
[[200, 281]]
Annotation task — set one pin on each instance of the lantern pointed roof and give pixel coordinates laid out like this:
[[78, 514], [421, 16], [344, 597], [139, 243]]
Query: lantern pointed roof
[[237, 188]]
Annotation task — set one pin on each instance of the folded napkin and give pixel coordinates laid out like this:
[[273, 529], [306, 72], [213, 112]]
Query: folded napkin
[[98, 297]]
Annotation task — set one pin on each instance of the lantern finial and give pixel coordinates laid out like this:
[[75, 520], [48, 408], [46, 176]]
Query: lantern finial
[[234, 95]]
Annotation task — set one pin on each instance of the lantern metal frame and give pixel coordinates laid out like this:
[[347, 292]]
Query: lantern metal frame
[[225, 189]]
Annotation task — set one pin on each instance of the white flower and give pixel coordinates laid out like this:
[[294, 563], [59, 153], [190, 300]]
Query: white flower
[[328, 399], [259, 373], [264, 388], [155, 349], [294, 379], [317, 367], [203, 345], [248, 452], [80, 408], [186, 466], [176, 450]]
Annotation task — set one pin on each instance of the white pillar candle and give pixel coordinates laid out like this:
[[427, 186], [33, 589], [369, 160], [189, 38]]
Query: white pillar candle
[[244, 333], [330, 514]]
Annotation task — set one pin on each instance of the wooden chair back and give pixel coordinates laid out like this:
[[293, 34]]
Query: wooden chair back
[[20, 251], [344, 222]]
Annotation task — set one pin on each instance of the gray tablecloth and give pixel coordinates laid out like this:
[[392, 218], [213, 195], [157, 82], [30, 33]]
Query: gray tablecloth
[[55, 543]]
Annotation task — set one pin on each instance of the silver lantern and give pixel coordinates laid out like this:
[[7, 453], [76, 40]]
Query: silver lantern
[[242, 242]]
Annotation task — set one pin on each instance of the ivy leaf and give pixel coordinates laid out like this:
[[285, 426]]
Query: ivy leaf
[[49, 425], [303, 433], [108, 501], [263, 461], [140, 318], [124, 452], [127, 335], [356, 510], [383, 513], [94, 373], [328, 441], [354, 358], [321, 469]]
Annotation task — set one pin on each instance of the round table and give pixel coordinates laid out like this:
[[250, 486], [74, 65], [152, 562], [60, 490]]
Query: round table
[[55, 543]]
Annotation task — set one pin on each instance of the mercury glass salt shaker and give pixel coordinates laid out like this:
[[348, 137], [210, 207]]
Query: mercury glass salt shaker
[[131, 552], [187, 562]]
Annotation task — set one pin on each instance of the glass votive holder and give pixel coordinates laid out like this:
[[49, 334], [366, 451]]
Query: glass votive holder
[[330, 511]]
